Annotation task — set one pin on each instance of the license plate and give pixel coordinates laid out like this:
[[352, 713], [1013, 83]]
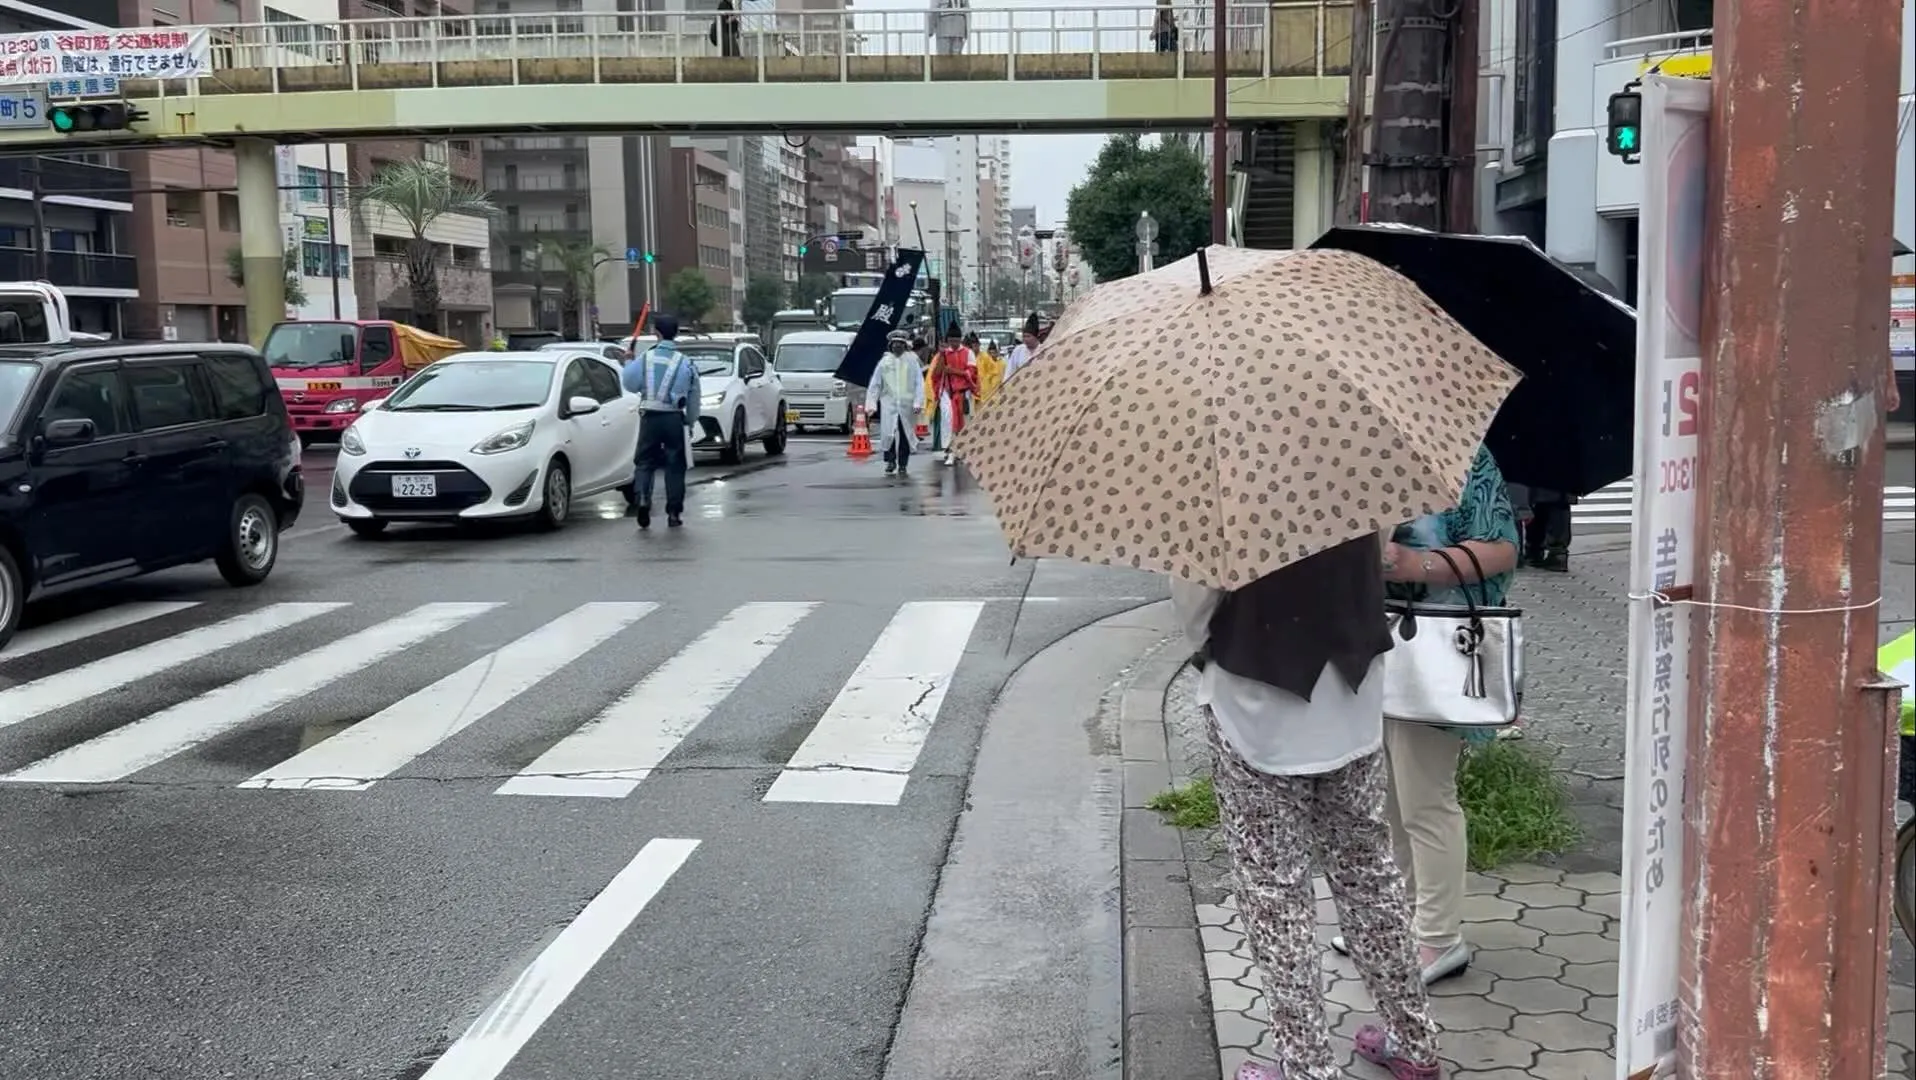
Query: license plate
[[322, 386], [791, 416], [415, 486]]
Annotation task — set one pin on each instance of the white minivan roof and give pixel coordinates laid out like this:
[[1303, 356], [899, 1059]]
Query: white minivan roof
[[817, 337]]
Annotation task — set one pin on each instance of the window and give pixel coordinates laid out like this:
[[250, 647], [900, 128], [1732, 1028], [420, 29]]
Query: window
[[167, 395], [93, 395], [228, 204], [605, 384], [1533, 85], [752, 363], [236, 387], [185, 209], [376, 346], [325, 260], [312, 185], [577, 383]]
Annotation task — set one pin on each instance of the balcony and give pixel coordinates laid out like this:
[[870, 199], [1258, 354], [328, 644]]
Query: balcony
[[63, 176], [533, 144], [573, 184], [71, 269]]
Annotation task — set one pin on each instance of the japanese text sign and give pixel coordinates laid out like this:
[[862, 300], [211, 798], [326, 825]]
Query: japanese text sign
[[68, 62]]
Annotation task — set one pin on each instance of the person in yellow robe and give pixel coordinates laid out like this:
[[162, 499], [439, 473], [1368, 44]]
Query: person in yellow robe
[[991, 373]]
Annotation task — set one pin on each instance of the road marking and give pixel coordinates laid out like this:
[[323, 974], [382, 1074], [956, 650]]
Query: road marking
[[124, 751], [613, 753], [500, 1032], [864, 747], [28, 700], [384, 742], [68, 631]]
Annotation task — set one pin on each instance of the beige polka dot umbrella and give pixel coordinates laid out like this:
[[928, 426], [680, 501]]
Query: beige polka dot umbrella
[[1223, 416]]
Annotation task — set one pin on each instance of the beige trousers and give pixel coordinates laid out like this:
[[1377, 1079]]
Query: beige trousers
[[1427, 826]]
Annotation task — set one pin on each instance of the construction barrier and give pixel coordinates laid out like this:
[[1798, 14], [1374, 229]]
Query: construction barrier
[[861, 446]]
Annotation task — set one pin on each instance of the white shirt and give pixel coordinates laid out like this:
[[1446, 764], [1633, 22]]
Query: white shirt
[[1019, 356], [1274, 730]]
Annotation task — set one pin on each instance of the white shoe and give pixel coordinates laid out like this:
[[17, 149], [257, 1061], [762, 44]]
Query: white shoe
[[947, 457], [1452, 961]]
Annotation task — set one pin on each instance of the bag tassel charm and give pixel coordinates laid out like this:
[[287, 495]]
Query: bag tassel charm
[[1467, 644]]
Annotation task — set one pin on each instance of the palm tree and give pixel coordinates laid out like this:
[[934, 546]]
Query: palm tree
[[579, 262], [420, 192]]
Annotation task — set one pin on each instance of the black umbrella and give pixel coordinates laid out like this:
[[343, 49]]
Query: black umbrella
[[1568, 426]]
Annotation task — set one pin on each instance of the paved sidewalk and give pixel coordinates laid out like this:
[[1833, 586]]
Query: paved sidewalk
[[1539, 1001]]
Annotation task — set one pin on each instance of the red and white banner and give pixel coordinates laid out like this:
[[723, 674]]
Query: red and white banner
[[1676, 149], [74, 63]]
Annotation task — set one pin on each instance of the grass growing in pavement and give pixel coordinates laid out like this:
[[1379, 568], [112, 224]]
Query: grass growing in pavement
[[1193, 806], [1514, 805]]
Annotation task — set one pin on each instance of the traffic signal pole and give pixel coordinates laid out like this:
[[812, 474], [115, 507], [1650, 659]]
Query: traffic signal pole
[[1792, 758]]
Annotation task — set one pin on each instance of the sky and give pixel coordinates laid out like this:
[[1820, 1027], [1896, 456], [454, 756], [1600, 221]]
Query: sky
[[1044, 168]]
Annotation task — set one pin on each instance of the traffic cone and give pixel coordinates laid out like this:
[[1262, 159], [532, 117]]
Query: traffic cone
[[861, 446]]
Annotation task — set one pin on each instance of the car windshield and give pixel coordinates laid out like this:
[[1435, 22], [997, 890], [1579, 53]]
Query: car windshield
[[810, 357], [15, 377], [710, 361], [311, 345], [475, 386], [850, 308]]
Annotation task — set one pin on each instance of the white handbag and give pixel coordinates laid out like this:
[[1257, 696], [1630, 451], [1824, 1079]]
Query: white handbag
[[1457, 665]]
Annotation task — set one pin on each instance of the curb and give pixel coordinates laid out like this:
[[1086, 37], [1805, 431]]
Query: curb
[[1170, 1032]]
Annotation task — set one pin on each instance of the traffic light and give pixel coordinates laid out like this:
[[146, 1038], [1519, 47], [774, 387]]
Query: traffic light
[[650, 257], [107, 116], [803, 249], [1626, 124]]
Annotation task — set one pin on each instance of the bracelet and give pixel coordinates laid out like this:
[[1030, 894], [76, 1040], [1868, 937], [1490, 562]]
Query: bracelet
[[1427, 568]]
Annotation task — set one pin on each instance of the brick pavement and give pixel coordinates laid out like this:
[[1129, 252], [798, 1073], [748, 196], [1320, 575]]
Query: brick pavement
[[1539, 1001]]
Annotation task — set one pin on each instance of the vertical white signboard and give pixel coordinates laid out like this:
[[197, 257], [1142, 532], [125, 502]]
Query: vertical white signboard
[[1676, 145]]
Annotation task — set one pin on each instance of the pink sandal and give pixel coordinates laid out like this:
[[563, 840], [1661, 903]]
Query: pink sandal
[[1376, 1046], [1258, 1070]]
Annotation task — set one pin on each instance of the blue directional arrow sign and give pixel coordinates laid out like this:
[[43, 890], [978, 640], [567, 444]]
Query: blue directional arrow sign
[[631, 256]]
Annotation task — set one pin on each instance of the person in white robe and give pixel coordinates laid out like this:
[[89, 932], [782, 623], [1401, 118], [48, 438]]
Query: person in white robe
[[897, 392]]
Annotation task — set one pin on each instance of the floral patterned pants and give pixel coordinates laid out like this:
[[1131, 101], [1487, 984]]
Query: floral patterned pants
[[1272, 824]]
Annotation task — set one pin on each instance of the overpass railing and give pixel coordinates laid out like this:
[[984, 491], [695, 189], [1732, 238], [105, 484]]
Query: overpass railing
[[1036, 44]]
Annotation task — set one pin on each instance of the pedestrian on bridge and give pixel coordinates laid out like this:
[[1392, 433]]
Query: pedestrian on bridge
[[950, 22], [669, 384]]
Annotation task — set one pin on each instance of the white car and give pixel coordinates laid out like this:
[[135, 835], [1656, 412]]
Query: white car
[[741, 397], [610, 350], [488, 435], [805, 362]]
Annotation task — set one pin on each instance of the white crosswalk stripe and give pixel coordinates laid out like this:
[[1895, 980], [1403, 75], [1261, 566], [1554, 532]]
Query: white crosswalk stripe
[[861, 749], [1612, 505]]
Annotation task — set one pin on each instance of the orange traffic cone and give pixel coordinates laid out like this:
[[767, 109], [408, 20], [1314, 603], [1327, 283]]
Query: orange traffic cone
[[861, 446]]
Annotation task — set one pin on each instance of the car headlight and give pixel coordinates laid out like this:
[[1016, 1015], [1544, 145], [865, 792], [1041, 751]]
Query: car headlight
[[838, 388], [511, 438], [341, 405], [712, 401], [350, 442]]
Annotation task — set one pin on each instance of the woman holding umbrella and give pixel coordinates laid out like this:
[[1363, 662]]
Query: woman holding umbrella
[[1255, 424]]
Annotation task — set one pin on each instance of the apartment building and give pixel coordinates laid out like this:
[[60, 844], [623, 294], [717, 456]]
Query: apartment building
[[315, 211], [997, 251], [79, 234], [695, 227]]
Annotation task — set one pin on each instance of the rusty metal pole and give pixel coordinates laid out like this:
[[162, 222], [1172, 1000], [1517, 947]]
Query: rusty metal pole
[[1789, 786], [1220, 128], [1460, 196]]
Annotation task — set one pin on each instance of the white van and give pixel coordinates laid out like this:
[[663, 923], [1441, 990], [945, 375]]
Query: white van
[[815, 397]]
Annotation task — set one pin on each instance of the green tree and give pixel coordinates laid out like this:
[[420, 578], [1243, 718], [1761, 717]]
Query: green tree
[[809, 289], [420, 192], [764, 295], [1129, 178], [1011, 296], [689, 295], [295, 288], [578, 263]]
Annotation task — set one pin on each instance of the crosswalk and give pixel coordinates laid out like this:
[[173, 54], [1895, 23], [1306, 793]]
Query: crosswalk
[[198, 673], [1610, 506]]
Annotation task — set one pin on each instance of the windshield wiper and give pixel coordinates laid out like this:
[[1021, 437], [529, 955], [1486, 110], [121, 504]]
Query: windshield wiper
[[301, 365], [439, 408]]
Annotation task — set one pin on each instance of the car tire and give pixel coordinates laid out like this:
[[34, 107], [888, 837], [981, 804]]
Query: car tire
[[251, 545], [775, 442], [13, 596], [367, 527], [556, 503], [734, 451]]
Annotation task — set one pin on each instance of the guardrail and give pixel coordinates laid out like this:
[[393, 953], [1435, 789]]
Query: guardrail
[[73, 269], [1121, 41]]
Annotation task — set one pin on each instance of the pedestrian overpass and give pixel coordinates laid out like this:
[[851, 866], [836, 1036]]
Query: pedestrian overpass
[[1025, 69]]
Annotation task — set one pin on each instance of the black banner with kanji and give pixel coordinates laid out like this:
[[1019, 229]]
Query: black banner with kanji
[[861, 359]]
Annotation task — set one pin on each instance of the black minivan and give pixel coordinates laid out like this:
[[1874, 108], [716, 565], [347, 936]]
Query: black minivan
[[120, 458]]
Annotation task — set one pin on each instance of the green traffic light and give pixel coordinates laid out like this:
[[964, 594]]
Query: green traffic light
[[62, 120], [802, 249], [1627, 138], [649, 257]]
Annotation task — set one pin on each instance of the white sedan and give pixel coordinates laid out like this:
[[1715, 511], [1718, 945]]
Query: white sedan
[[488, 435]]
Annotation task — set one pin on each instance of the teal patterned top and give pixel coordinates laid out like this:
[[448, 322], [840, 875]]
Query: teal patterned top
[[1483, 514]]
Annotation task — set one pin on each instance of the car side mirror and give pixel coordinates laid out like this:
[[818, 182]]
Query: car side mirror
[[581, 406], [71, 432]]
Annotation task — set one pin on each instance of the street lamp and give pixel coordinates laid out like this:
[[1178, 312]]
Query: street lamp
[[1147, 241]]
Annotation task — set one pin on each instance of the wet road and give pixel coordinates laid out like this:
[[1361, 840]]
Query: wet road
[[505, 804]]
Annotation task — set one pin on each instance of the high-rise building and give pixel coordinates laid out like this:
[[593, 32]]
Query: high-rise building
[[695, 227], [315, 211], [80, 234], [997, 252]]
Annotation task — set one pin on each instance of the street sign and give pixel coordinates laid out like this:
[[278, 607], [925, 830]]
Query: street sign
[[22, 108], [631, 256], [830, 244]]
